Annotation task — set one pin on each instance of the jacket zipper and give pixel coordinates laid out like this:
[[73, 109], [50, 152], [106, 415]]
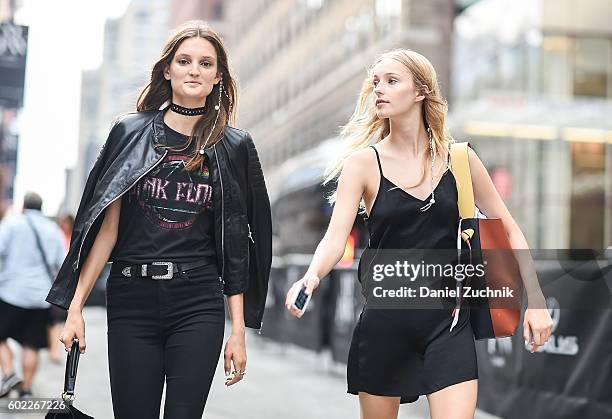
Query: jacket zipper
[[76, 265], [223, 227], [250, 234], [222, 218], [253, 241]]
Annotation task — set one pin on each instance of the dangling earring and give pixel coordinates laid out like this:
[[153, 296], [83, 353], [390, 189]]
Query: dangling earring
[[218, 105], [217, 109], [433, 159], [229, 99]]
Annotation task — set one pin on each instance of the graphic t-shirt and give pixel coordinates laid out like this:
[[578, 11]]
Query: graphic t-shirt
[[168, 214]]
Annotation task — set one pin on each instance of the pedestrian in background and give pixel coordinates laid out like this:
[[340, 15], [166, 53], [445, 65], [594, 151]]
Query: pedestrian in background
[[31, 249], [66, 224]]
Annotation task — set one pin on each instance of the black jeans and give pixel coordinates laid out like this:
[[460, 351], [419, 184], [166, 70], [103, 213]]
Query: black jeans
[[164, 329]]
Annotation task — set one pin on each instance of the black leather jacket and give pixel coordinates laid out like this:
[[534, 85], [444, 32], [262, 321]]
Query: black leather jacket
[[242, 215]]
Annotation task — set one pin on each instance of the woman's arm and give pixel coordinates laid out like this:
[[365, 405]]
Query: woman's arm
[[96, 259], [235, 348], [487, 199], [351, 188]]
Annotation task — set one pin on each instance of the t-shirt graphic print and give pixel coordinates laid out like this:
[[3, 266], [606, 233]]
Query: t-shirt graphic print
[[168, 215], [169, 196]]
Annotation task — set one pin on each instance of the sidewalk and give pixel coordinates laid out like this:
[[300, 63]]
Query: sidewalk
[[282, 381]]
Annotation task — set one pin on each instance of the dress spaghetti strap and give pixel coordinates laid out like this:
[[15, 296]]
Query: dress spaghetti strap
[[378, 160]]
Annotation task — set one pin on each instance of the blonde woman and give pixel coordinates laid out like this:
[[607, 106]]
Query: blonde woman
[[397, 170]]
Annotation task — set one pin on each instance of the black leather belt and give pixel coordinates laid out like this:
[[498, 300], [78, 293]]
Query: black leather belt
[[156, 270]]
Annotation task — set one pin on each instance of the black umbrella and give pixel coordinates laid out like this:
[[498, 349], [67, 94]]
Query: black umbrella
[[69, 412]]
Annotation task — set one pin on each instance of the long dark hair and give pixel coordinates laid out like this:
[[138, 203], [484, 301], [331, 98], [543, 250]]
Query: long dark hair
[[159, 91]]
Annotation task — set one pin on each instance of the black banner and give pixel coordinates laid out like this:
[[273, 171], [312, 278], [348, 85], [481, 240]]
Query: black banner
[[347, 304], [569, 377], [13, 52]]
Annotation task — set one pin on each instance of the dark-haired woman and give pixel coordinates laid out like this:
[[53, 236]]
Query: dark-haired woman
[[177, 201]]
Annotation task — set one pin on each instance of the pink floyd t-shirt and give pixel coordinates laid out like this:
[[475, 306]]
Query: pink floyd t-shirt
[[168, 215]]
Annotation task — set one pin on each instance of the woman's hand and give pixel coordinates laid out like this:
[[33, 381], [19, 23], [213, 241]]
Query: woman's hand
[[538, 322], [235, 353], [311, 282], [73, 328]]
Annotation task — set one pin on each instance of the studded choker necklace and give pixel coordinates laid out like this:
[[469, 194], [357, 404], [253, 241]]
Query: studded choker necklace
[[187, 111]]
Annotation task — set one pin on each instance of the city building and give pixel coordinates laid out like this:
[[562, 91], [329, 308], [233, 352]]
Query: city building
[[532, 90], [130, 50], [208, 10], [300, 65]]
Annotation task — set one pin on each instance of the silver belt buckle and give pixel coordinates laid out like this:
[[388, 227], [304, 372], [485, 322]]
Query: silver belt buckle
[[167, 275]]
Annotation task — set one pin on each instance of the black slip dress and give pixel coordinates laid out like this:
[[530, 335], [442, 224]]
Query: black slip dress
[[411, 352]]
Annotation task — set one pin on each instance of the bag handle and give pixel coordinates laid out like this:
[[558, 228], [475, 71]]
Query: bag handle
[[460, 167], [72, 362], [40, 248]]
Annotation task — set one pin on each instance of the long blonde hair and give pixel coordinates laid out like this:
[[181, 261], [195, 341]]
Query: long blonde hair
[[366, 128]]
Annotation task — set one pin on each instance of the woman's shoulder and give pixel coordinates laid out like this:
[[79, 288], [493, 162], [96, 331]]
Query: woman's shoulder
[[133, 120], [238, 140], [236, 134], [124, 125], [359, 165], [361, 158]]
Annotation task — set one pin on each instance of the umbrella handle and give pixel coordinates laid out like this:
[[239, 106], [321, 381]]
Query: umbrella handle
[[72, 362]]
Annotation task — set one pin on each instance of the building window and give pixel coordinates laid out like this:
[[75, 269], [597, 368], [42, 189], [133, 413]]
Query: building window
[[217, 11], [388, 8], [388, 13], [592, 57], [587, 206], [556, 74]]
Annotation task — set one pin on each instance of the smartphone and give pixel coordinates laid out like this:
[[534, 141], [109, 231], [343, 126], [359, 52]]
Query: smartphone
[[301, 300]]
